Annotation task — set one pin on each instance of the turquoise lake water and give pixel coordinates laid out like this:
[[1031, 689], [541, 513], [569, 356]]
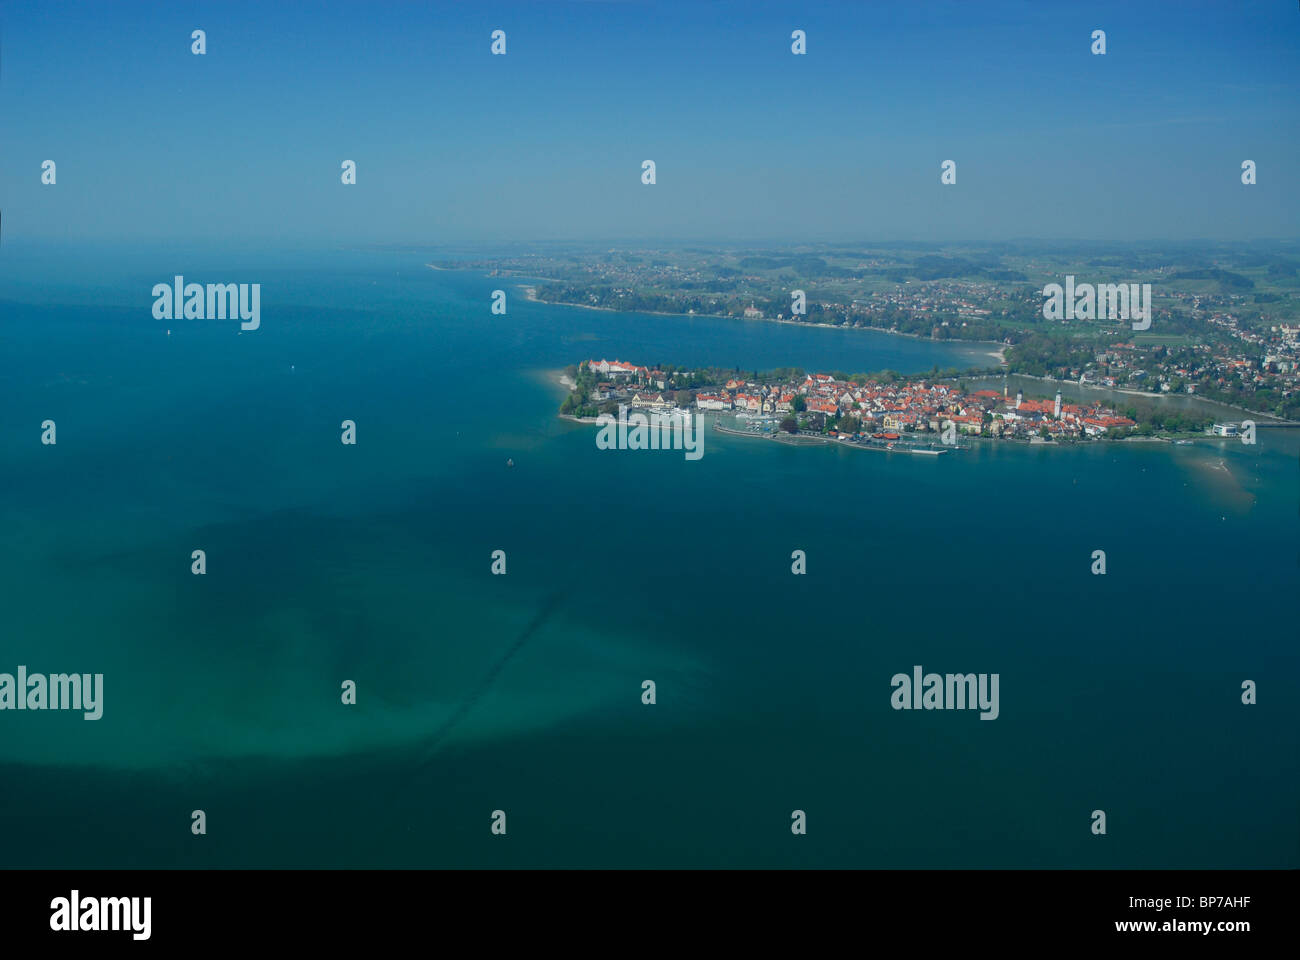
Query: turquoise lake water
[[522, 693]]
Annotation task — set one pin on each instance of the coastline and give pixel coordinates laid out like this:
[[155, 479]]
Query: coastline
[[530, 294], [999, 354], [1272, 418], [560, 378]]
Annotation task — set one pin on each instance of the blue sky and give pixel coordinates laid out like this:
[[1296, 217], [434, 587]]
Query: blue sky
[[455, 146]]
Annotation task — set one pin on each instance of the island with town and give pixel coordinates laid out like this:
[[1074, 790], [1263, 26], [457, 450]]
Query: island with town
[[880, 411]]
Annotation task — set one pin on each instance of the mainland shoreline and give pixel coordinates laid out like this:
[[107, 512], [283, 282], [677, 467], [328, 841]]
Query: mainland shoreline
[[1272, 418], [530, 294]]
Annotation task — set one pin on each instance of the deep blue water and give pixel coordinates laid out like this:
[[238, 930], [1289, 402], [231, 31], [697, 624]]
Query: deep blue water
[[523, 693]]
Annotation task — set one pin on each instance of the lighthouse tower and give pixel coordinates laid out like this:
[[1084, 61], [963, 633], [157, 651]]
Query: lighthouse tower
[[1057, 412]]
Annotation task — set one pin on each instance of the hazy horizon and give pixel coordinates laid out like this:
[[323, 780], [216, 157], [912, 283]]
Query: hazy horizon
[[457, 147]]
